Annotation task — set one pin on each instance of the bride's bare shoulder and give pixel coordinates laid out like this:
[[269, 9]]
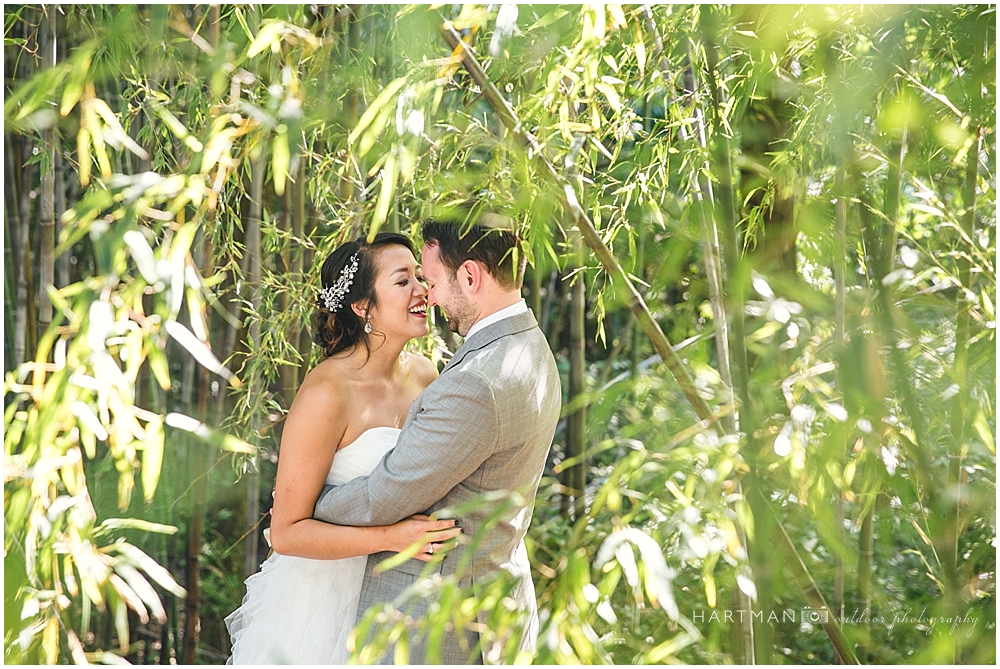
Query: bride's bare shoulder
[[421, 369], [327, 383]]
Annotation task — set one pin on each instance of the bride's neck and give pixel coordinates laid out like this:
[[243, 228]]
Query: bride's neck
[[383, 359]]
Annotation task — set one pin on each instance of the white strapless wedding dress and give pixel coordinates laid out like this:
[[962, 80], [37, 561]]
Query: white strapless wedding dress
[[300, 611]]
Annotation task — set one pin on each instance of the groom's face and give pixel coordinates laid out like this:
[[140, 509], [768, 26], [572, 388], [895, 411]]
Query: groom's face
[[444, 291]]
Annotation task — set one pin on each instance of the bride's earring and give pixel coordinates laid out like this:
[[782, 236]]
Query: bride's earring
[[368, 323]]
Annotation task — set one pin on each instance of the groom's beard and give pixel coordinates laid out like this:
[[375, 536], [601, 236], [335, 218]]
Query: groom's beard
[[460, 314]]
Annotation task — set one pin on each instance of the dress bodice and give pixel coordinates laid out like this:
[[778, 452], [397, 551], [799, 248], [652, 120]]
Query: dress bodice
[[360, 456]]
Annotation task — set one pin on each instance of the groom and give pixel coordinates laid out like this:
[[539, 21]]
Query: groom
[[485, 424]]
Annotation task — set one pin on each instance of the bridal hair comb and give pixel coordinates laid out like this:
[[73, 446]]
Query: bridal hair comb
[[332, 296]]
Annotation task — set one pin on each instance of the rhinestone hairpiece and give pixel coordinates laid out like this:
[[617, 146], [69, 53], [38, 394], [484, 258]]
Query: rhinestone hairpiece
[[332, 296]]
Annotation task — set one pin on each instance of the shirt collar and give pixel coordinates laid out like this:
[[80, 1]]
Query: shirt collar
[[518, 307]]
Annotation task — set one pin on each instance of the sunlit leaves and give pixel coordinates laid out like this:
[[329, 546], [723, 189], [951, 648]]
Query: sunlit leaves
[[375, 117], [77, 77], [175, 126], [272, 33]]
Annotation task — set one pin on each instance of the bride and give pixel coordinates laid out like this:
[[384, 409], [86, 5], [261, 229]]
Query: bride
[[301, 606]]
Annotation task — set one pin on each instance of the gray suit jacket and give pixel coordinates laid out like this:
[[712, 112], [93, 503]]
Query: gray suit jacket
[[485, 424]]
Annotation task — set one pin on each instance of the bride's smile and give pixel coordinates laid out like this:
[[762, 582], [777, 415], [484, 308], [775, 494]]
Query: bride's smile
[[400, 311]]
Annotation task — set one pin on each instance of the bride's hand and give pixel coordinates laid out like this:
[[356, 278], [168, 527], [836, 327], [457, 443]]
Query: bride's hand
[[421, 529]]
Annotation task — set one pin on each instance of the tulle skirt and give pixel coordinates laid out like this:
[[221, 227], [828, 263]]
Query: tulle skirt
[[297, 611]]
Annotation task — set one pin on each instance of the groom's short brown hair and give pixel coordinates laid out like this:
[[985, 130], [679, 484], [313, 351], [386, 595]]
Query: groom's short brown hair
[[489, 238]]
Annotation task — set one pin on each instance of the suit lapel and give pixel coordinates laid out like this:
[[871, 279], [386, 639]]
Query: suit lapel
[[491, 333]]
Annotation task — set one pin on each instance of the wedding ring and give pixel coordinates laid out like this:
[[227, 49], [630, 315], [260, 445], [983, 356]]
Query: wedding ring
[[430, 550]]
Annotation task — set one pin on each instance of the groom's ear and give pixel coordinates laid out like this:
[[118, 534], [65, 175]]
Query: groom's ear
[[470, 276]]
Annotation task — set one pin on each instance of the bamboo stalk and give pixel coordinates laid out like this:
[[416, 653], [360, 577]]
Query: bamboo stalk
[[47, 203], [298, 256], [22, 313], [311, 219], [349, 193], [840, 341], [252, 261], [865, 560], [22, 177], [743, 634], [703, 195], [9, 285], [192, 560], [286, 373], [726, 212], [759, 549], [536, 289], [953, 523], [550, 295], [576, 439], [199, 476], [59, 175], [12, 219], [845, 157], [214, 25], [806, 584]]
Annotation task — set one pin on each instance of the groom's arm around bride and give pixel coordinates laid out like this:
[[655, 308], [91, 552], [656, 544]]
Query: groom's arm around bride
[[486, 424]]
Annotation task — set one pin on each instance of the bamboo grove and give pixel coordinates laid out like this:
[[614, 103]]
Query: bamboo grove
[[761, 244]]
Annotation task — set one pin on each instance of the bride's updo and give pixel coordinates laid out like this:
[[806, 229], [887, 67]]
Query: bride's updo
[[337, 327]]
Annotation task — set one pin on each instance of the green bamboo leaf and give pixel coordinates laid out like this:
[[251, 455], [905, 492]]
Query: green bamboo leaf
[[93, 124], [50, 640], [199, 350], [78, 76], [373, 132], [235, 445], [548, 19], [617, 15], [389, 174], [196, 310], [83, 153], [106, 657], [269, 34], [158, 364], [152, 457], [611, 94], [121, 610], [147, 564], [176, 127], [667, 649], [280, 159], [376, 106], [142, 254], [137, 524], [640, 51], [179, 249], [985, 433], [141, 587], [27, 108], [104, 111], [226, 442], [238, 13], [657, 214]]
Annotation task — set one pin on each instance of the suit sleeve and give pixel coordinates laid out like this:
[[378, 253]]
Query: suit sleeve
[[454, 432]]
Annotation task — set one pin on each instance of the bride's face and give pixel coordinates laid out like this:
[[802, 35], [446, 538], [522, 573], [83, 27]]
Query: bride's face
[[401, 309]]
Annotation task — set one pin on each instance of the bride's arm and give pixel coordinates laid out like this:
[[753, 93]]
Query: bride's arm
[[312, 431]]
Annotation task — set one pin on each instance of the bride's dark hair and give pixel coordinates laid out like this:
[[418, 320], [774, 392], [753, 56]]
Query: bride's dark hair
[[341, 330]]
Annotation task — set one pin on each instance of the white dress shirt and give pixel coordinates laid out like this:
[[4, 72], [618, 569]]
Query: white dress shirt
[[518, 307]]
